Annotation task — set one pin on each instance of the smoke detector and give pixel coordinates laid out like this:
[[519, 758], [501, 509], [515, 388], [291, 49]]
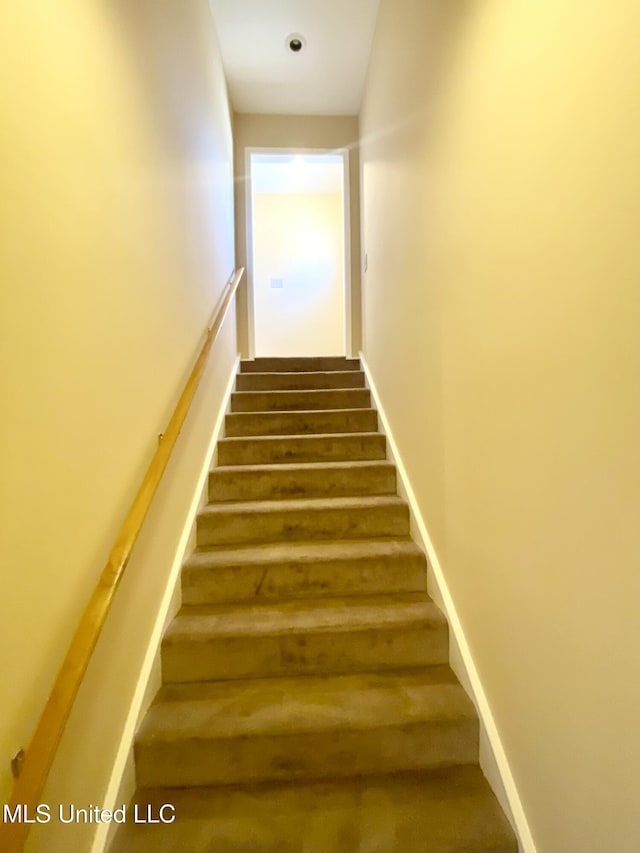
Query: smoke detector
[[295, 43]]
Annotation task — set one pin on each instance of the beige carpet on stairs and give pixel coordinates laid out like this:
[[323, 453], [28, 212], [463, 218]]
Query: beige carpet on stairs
[[307, 703]]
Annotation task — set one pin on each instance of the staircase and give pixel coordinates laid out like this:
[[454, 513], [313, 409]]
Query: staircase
[[307, 702]]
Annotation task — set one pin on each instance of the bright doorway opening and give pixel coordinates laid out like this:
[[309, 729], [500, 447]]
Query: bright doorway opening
[[298, 232]]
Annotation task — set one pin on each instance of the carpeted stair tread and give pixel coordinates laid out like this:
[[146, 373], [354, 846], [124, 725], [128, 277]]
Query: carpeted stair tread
[[451, 810], [304, 637], [299, 380], [334, 398], [301, 422], [288, 617], [295, 570], [287, 706], [299, 552], [306, 504], [301, 519], [336, 447], [306, 727], [302, 467], [304, 364], [310, 479]]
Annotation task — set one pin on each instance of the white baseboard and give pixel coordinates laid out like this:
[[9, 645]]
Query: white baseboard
[[122, 784], [493, 759]]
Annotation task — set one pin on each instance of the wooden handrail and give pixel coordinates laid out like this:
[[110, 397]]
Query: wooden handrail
[[42, 748]]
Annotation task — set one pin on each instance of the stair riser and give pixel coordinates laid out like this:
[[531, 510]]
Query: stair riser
[[299, 525], [254, 583], [223, 658], [317, 755], [256, 485], [284, 401], [294, 365], [300, 423], [299, 381], [344, 448]]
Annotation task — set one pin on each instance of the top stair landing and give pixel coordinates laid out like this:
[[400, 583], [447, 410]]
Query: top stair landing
[[300, 365]]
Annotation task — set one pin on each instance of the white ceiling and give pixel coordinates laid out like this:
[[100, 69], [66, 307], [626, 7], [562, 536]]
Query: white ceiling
[[326, 78], [287, 173]]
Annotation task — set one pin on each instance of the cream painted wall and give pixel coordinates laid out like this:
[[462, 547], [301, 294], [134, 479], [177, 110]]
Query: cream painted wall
[[501, 202], [116, 216], [299, 238], [298, 132]]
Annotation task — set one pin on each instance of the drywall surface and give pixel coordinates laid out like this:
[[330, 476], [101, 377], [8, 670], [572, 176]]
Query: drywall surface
[[501, 200], [116, 215], [297, 132], [299, 248]]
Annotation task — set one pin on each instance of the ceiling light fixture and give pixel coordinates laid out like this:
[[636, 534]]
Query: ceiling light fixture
[[295, 43]]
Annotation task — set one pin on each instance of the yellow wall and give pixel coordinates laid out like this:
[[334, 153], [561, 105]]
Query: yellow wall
[[116, 222], [299, 238], [297, 132], [501, 203]]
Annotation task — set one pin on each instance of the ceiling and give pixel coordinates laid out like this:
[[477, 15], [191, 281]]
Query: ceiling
[[325, 78], [287, 173]]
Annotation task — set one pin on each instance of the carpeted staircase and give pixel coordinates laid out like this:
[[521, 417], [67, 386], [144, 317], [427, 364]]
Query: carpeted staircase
[[307, 703]]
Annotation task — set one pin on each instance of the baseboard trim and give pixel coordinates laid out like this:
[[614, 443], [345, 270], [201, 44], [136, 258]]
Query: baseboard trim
[[493, 759], [116, 789]]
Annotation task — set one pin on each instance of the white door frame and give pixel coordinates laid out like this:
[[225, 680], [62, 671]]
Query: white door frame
[[346, 215]]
